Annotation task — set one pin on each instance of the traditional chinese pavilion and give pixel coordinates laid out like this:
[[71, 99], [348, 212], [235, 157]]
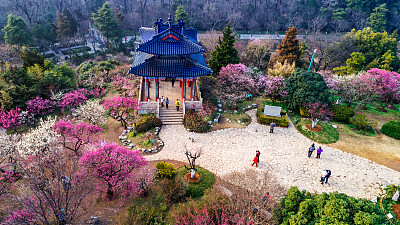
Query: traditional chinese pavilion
[[169, 52]]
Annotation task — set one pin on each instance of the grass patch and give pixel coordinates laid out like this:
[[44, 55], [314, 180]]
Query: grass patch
[[196, 190], [234, 117], [328, 135]]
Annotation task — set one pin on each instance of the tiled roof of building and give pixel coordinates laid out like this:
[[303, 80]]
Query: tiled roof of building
[[170, 42], [147, 33], [170, 66]]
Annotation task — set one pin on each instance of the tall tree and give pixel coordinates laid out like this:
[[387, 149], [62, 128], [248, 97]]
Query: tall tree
[[16, 32], [72, 21], [104, 21], [180, 13], [378, 18], [289, 48], [63, 27], [225, 52]]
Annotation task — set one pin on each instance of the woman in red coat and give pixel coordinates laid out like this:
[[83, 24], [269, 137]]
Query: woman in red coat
[[256, 159]]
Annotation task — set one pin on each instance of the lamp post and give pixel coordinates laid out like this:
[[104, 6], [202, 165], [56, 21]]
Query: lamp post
[[312, 59]]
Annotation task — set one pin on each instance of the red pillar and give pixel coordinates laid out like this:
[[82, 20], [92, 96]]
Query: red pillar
[[181, 83]]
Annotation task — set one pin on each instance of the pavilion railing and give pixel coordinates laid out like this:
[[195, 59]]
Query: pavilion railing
[[184, 108], [196, 105], [149, 107], [140, 90]]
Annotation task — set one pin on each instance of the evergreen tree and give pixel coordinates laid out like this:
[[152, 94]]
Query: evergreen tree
[[31, 58], [225, 52], [63, 27], [289, 48], [378, 18], [106, 23], [180, 13], [72, 21], [16, 32]]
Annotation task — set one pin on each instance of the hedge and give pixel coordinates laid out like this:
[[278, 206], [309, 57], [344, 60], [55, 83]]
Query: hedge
[[280, 121], [342, 113], [148, 123], [195, 122], [392, 129]]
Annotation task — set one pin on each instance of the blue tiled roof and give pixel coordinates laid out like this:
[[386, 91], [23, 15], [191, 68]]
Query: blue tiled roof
[[165, 43], [147, 33], [170, 66], [191, 34], [199, 58]]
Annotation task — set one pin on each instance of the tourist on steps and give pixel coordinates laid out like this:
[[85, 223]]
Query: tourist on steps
[[311, 150], [162, 101], [319, 151], [177, 103], [166, 102]]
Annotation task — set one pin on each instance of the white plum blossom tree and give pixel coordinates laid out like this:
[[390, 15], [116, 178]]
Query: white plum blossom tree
[[92, 112]]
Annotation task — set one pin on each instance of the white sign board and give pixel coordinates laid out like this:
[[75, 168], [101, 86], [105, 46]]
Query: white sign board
[[270, 110], [396, 196]]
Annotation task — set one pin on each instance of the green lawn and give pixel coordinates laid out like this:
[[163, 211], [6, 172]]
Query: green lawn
[[328, 135], [196, 190]]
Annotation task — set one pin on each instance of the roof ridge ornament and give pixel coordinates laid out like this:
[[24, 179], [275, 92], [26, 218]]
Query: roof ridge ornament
[[169, 20]]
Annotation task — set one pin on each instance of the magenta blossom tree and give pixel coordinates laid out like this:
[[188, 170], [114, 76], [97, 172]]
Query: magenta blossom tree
[[10, 119], [40, 106], [385, 84], [122, 108], [73, 99], [273, 86], [76, 136], [123, 85], [234, 79], [318, 111], [114, 167]]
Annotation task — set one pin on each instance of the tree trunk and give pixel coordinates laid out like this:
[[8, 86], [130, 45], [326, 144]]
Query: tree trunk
[[192, 173], [314, 123]]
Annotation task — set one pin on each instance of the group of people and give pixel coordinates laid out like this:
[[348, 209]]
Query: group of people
[[166, 100], [325, 174]]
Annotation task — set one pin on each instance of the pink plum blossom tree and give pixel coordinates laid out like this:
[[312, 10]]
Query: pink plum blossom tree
[[318, 111], [122, 108], [40, 106], [76, 136], [113, 166], [233, 79], [123, 85], [10, 119], [273, 87], [73, 99], [385, 84]]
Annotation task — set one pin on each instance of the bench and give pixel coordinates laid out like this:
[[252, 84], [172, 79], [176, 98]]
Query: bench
[[217, 118]]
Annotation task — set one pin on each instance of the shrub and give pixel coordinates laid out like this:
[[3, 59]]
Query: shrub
[[148, 123], [175, 190], [392, 129], [165, 170], [280, 121], [304, 112], [195, 122], [342, 113], [362, 123]]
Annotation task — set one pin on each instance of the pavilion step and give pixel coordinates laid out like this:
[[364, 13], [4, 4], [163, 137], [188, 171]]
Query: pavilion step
[[171, 115], [172, 123]]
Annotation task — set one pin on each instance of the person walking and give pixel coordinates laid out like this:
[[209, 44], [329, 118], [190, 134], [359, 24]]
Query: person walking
[[338, 101], [162, 101], [256, 159], [166, 102], [272, 126], [177, 103], [173, 82], [311, 150], [319, 151], [191, 136], [323, 176], [328, 174]]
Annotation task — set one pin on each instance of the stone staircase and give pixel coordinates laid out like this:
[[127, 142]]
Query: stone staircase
[[170, 116]]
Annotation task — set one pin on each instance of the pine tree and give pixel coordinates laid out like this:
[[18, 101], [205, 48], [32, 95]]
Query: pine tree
[[180, 13], [63, 27], [225, 52], [72, 21], [106, 23], [289, 48], [16, 32], [378, 18]]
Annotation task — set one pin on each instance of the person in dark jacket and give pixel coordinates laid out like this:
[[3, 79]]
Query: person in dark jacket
[[166, 102], [311, 150], [272, 126], [256, 159]]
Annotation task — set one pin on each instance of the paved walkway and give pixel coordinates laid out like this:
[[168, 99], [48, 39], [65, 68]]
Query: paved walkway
[[283, 153]]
